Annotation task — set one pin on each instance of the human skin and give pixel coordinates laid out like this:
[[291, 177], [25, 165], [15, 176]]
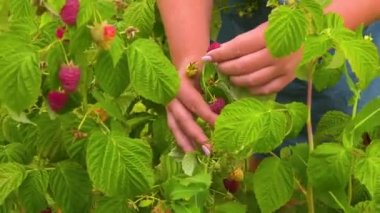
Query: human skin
[[249, 64]]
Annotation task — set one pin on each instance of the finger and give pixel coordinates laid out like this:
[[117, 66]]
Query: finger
[[258, 78], [247, 63], [193, 101], [182, 140], [185, 121], [242, 44], [272, 87]]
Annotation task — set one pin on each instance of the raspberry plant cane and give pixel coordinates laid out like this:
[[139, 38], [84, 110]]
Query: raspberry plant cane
[[103, 145]]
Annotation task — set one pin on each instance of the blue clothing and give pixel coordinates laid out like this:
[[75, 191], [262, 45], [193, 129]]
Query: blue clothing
[[334, 98]]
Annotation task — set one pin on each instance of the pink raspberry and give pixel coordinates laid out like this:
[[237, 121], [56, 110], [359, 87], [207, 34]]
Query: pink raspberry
[[103, 34], [60, 32], [57, 100], [69, 76], [70, 11], [213, 46], [217, 105]]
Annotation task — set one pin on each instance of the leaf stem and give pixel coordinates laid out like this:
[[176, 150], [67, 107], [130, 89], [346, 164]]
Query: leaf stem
[[309, 124], [310, 137], [303, 190]]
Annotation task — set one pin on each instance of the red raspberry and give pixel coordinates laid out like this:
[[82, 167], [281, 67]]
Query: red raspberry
[[57, 100], [60, 32], [109, 32], [70, 11], [217, 105], [213, 45], [231, 185], [69, 76]]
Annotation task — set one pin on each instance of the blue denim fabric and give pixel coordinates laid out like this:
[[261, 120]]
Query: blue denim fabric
[[334, 98]]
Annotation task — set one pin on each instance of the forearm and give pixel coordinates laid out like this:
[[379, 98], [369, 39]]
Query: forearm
[[355, 12], [187, 27]]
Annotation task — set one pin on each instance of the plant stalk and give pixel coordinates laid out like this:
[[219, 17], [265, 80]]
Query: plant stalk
[[310, 136]]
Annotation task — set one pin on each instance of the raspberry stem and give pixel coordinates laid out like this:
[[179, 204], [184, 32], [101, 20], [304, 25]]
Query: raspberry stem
[[64, 52]]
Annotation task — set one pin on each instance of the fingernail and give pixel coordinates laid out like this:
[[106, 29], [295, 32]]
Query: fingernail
[[206, 150], [206, 58]]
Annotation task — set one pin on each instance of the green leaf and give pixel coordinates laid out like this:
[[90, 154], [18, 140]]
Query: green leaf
[[331, 126], [367, 169], [366, 120], [80, 40], [286, 31], [187, 188], [10, 130], [106, 9], [274, 184], [334, 21], [230, 207], [249, 125], [4, 8], [113, 204], [145, 203], [315, 12], [20, 8], [20, 80], [324, 77], [71, 187], [113, 80], [315, 47], [298, 159], [298, 114], [11, 177], [329, 167], [14, 152], [365, 206], [119, 165], [140, 14], [167, 168], [117, 49], [87, 12], [54, 59], [32, 191], [189, 162], [363, 58], [49, 142], [337, 61], [152, 74]]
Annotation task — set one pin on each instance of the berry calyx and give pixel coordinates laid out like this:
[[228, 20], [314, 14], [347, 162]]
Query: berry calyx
[[57, 100], [69, 76], [217, 105], [191, 70], [69, 12]]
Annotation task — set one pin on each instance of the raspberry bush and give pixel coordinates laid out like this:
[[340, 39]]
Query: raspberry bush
[[83, 89]]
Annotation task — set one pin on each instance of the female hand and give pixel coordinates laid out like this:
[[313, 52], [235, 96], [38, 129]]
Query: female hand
[[181, 121], [250, 64]]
